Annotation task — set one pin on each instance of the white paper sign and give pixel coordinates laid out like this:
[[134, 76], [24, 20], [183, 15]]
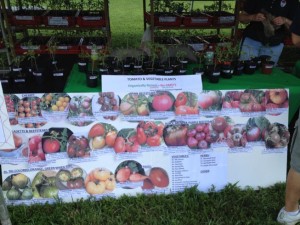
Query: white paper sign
[[149, 83], [6, 136]]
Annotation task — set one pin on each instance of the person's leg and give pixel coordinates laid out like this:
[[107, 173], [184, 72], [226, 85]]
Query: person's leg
[[274, 52], [292, 192], [249, 49]]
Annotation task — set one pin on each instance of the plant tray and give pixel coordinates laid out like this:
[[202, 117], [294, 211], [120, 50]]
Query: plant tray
[[65, 18], [164, 19], [38, 43], [68, 45], [91, 19], [222, 18], [88, 42], [166, 40], [27, 17], [215, 40], [197, 44], [199, 20]]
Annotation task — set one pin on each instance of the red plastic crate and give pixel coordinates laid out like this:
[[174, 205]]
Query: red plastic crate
[[201, 20], [222, 18], [70, 45], [88, 42], [65, 18], [39, 44], [91, 19], [164, 19], [27, 17]]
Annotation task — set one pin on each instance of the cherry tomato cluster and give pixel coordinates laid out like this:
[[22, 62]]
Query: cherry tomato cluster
[[10, 102], [126, 141], [150, 133], [78, 147], [29, 107], [108, 102], [198, 136]]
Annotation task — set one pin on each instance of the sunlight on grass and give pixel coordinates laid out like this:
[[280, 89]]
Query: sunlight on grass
[[126, 25]]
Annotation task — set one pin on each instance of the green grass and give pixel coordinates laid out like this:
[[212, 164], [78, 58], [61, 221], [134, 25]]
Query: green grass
[[126, 19], [231, 206]]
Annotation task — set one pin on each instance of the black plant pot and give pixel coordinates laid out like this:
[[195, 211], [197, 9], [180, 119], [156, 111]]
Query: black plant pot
[[92, 79], [103, 69], [226, 71], [238, 68], [82, 66], [199, 71], [168, 71], [250, 67], [214, 75], [5, 80], [39, 76]]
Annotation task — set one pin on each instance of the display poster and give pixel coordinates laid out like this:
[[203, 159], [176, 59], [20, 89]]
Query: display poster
[[136, 139], [6, 136]]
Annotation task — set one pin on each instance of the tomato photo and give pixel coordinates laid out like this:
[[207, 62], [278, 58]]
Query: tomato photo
[[78, 147], [186, 103], [51, 146], [161, 101], [102, 135], [150, 133], [55, 140], [210, 100], [126, 141], [175, 134], [100, 181], [134, 104]]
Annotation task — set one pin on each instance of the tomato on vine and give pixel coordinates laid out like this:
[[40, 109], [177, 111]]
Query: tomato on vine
[[181, 99], [141, 136]]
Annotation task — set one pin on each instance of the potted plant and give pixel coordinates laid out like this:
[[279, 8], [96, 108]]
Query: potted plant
[[181, 56], [36, 71], [57, 73], [199, 69], [18, 74], [103, 65], [83, 57], [250, 64], [92, 74], [4, 76]]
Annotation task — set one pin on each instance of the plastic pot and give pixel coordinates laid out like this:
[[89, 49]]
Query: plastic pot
[[267, 67], [91, 79]]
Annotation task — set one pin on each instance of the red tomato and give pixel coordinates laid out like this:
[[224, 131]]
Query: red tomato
[[110, 138], [150, 126], [181, 99], [160, 129], [153, 140], [141, 136], [51, 145], [182, 110], [119, 145], [162, 102], [134, 147], [97, 129]]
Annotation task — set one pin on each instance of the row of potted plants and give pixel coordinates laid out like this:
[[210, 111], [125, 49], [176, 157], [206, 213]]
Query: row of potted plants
[[173, 13], [163, 60], [64, 45], [81, 18]]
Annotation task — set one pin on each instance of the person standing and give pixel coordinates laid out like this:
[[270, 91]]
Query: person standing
[[268, 23], [290, 214]]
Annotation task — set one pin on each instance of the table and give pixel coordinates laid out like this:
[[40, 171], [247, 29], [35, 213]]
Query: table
[[278, 79]]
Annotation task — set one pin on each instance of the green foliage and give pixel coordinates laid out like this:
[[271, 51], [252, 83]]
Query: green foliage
[[231, 205]]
